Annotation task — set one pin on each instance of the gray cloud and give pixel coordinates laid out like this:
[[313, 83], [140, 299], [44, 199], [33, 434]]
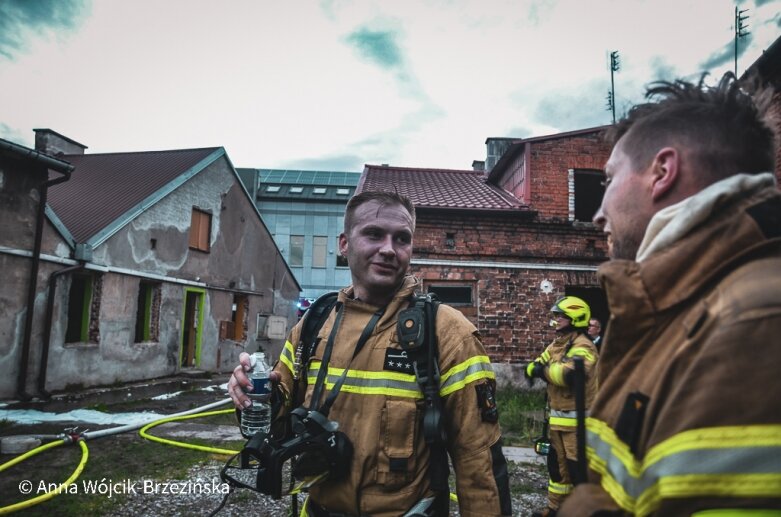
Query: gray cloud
[[726, 54], [23, 19], [570, 110], [518, 132], [661, 70], [339, 162], [12, 135], [377, 46]]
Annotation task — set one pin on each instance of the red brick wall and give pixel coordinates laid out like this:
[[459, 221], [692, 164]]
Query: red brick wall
[[512, 310], [550, 161]]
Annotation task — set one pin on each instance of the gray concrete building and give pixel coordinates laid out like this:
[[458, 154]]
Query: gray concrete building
[[140, 265], [304, 211]]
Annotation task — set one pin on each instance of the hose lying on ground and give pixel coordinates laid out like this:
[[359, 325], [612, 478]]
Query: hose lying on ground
[[83, 437]]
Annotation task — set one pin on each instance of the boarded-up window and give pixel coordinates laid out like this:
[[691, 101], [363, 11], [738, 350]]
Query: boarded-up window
[[239, 317], [200, 230], [296, 250], [319, 251]]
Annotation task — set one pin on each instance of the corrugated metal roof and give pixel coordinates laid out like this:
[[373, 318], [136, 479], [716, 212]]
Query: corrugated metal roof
[[103, 187], [439, 188]]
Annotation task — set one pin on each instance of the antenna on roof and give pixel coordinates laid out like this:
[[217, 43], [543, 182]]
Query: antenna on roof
[[615, 66], [740, 31]]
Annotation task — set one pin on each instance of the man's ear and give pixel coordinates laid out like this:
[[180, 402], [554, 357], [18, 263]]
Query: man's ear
[[343, 244], [665, 171]]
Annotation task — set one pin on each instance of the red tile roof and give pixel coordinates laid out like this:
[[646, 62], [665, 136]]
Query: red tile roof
[[103, 187], [439, 188]]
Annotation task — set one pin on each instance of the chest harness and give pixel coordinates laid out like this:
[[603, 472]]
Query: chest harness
[[309, 445]]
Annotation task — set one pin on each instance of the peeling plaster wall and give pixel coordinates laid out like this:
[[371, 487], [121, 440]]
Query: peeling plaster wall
[[242, 257], [18, 212]]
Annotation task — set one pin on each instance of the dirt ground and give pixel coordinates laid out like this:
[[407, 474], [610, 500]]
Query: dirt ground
[[126, 474]]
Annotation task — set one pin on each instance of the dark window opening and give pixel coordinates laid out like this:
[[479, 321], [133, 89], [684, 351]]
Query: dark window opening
[[450, 240], [453, 295], [147, 317], [589, 190], [79, 301]]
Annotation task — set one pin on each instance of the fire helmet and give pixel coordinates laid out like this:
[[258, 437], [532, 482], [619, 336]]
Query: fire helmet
[[575, 309]]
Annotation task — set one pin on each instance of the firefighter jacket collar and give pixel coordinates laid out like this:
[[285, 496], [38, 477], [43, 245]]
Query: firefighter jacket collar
[[401, 298], [674, 222], [666, 278]]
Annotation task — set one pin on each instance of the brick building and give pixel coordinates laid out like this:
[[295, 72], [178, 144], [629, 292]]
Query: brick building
[[502, 246]]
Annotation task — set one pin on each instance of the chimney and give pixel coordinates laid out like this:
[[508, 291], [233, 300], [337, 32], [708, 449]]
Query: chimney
[[496, 146], [478, 165], [55, 144]]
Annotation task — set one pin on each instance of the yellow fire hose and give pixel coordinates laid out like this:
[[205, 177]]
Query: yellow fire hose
[[51, 493], [143, 432], [99, 434]]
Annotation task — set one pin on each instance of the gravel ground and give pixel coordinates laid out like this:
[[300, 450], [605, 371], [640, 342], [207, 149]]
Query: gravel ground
[[528, 484]]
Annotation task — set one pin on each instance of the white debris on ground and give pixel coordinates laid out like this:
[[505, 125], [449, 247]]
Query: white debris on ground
[[85, 416]]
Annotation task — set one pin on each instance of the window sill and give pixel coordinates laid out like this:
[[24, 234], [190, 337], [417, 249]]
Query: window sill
[[80, 345]]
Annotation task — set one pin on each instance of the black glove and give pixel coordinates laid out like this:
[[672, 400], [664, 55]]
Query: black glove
[[534, 369]]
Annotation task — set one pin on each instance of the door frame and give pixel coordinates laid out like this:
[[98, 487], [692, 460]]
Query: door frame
[[201, 302]]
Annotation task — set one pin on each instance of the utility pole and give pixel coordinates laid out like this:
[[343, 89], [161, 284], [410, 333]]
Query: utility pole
[[615, 66], [740, 32]]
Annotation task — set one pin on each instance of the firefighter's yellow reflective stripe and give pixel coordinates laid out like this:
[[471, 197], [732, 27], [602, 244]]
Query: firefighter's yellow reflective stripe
[[559, 488], [556, 374], [739, 461], [368, 383], [737, 512], [564, 418], [562, 413], [567, 422], [287, 357], [579, 351], [459, 376]]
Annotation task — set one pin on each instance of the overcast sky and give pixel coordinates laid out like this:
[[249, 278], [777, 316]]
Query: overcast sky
[[334, 84]]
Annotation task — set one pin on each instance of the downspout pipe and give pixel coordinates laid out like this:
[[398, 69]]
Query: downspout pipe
[[48, 163], [47, 327]]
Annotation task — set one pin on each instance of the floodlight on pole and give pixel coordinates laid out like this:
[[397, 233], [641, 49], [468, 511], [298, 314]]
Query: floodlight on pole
[[615, 66], [741, 31]]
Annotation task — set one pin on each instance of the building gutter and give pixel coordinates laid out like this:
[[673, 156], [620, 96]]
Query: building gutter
[[47, 326], [65, 169]]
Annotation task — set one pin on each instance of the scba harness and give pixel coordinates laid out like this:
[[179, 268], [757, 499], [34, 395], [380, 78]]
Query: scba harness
[[309, 445]]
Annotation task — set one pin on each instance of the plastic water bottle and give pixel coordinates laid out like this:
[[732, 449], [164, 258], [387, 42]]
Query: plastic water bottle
[[257, 418]]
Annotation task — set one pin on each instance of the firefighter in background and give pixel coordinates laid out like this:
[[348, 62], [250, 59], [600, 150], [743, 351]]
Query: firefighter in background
[[569, 316]]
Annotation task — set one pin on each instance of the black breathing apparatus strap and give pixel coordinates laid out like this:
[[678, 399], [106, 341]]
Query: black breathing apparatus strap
[[417, 335], [325, 408]]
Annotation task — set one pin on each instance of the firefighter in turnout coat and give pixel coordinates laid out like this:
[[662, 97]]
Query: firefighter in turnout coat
[[570, 317], [688, 417]]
